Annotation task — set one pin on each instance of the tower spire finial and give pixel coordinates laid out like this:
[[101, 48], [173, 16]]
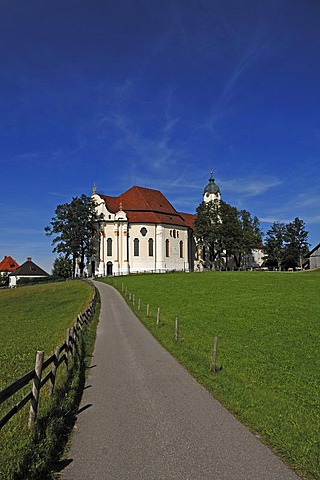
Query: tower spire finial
[[211, 179], [94, 189]]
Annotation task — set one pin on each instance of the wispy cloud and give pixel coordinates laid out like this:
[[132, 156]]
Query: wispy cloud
[[249, 187]]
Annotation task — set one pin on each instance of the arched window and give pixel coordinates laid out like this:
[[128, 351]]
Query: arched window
[[136, 247], [109, 247], [181, 249], [167, 248], [150, 242]]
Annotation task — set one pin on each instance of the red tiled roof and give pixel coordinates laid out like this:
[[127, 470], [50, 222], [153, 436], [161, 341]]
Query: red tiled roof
[[144, 205], [189, 219], [8, 264]]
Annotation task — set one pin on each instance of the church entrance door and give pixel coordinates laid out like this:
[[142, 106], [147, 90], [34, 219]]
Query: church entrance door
[[109, 268]]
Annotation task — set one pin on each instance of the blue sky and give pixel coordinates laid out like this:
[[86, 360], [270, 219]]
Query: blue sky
[[156, 94]]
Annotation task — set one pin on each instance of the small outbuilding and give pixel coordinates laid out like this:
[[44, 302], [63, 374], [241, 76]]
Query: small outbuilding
[[314, 257], [27, 270]]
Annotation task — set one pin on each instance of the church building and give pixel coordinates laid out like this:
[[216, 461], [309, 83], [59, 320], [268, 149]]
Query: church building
[[140, 231]]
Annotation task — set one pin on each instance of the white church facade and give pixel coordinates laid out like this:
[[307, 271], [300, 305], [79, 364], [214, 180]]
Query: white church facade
[[140, 231]]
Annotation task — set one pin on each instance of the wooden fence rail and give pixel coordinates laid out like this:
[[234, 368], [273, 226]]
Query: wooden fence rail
[[61, 355]]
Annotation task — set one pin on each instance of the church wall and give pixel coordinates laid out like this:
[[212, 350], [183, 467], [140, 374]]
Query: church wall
[[141, 233], [159, 261], [117, 247]]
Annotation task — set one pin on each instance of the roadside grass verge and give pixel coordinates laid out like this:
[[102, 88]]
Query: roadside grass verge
[[36, 318], [268, 348]]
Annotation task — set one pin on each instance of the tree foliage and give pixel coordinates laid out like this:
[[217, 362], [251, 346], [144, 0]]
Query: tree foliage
[[74, 225], [62, 267], [287, 244], [223, 231], [207, 227], [4, 279], [274, 243], [250, 235]]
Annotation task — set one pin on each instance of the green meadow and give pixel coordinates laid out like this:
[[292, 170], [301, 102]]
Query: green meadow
[[268, 329], [32, 318]]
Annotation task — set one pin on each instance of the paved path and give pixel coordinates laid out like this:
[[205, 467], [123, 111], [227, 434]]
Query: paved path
[[145, 418]]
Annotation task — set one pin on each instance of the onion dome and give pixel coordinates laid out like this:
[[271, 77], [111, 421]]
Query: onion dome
[[211, 188]]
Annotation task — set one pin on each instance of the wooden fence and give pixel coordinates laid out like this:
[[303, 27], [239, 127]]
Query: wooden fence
[[131, 297], [60, 356]]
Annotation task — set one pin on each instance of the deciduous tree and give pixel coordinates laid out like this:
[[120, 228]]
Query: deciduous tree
[[74, 225], [250, 236], [275, 243], [223, 231], [206, 229], [62, 267], [297, 246]]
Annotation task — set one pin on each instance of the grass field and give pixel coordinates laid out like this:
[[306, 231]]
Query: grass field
[[31, 318], [268, 331]]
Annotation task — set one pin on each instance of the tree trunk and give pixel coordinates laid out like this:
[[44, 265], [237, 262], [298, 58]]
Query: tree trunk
[[74, 260]]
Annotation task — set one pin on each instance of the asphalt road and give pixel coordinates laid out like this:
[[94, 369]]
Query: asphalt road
[[144, 417]]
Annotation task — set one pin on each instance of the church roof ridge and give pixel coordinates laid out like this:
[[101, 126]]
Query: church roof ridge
[[145, 204]]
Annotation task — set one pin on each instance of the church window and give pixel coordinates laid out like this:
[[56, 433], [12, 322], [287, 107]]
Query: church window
[[109, 247], [167, 248], [150, 242], [177, 234], [181, 249], [136, 247], [174, 234]]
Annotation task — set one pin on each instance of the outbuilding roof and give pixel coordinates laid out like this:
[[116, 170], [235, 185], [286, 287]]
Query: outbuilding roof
[[313, 250], [29, 269], [145, 205], [8, 264]]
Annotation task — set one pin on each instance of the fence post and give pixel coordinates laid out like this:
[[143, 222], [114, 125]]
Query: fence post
[[158, 316], [36, 389], [148, 310], [176, 330], [79, 322], [67, 347], [214, 355], [74, 340], [129, 297], [139, 304], [54, 370], [133, 299]]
